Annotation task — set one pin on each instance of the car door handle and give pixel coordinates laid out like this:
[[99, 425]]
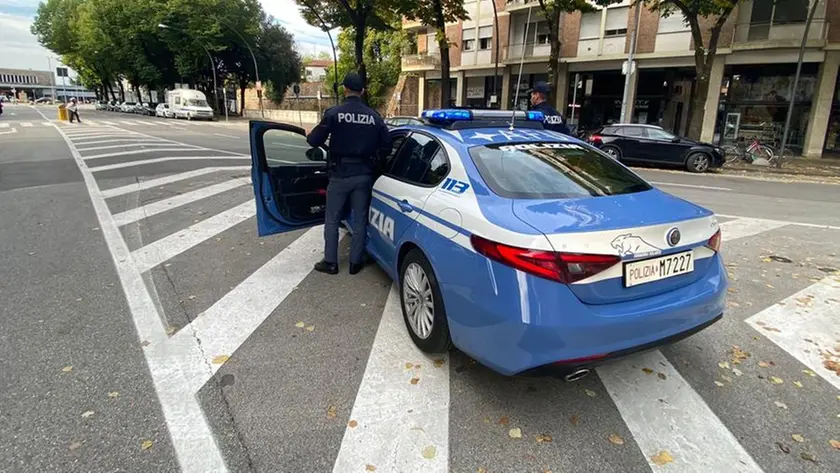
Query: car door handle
[[405, 206]]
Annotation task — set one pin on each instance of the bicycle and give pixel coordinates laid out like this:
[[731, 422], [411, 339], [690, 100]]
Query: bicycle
[[750, 153]]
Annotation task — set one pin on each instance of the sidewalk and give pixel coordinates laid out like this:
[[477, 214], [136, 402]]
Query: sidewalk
[[824, 169]]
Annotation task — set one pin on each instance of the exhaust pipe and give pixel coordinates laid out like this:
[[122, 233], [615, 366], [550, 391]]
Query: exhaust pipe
[[576, 375]]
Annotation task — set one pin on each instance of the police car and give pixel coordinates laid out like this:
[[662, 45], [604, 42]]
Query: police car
[[524, 248]]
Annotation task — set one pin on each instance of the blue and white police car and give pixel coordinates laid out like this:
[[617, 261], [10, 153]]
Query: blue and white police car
[[524, 248]]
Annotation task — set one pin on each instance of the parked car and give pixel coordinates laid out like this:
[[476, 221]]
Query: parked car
[[101, 105], [127, 107], [162, 110], [651, 144], [394, 122]]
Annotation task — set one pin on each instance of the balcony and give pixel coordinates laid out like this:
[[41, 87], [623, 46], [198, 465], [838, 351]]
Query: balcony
[[515, 5], [420, 62], [780, 35], [532, 52]]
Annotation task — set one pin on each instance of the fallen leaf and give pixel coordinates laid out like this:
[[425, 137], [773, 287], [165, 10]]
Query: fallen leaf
[[726, 378], [370, 467], [737, 372], [590, 393], [515, 433], [300, 325], [170, 330], [310, 328], [772, 329], [783, 447], [763, 364], [331, 411], [481, 470], [417, 367], [415, 380], [780, 405], [504, 420], [834, 443], [192, 298], [353, 424], [661, 375], [616, 439], [408, 366], [809, 372], [145, 343], [647, 370], [87, 414], [220, 359], [776, 380], [574, 420], [114, 394], [543, 438], [799, 438], [67, 369], [808, 457], [724, 365], [74, 445], [146, 444], [797, 384], [770, 286], [719, 384], [439, 362], [429, 452], [662, 458]]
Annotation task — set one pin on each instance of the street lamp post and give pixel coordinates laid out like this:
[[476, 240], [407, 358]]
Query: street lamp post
[[256, 69], [212, 67]]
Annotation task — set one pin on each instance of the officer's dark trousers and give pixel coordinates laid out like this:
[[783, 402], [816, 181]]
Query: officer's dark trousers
[[357, 189]]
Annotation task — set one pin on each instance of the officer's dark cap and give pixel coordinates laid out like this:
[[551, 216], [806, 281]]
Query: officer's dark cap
[[353, 81], [540, 87]]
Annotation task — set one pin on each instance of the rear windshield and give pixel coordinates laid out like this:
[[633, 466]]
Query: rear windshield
[[552, 171]]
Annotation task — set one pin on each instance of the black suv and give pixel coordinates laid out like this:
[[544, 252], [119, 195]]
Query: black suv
[[650, 144]]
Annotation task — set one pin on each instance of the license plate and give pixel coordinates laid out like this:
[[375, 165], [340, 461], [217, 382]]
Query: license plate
[[656, 269]]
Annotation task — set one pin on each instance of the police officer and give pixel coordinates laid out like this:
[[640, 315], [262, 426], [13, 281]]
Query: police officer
[[539, 102], [358, 136]]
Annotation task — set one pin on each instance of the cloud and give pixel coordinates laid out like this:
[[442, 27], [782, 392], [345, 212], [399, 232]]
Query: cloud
[[18, 47]]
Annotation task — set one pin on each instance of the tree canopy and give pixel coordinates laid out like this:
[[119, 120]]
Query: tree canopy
[[156, 43]]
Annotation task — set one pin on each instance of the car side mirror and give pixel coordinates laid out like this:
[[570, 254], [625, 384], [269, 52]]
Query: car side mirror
[[675, 139], [316, 154]]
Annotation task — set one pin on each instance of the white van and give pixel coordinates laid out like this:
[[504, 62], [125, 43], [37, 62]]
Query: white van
[[188, 103]]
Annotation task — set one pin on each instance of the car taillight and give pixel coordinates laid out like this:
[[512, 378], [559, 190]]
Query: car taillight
[[595, 140], [565, 268], [714, 242]]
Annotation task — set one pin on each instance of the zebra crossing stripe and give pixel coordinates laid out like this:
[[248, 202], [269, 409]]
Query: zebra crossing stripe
[[109, 167], [161, 181], [126, 122], [46, 123], [147, 143], [397, 419], [26, 124], [4, 125], [137, 151], [179, 200]]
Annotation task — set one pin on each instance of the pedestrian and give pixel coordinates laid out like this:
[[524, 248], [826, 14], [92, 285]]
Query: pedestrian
[[358, 138], [73, 108], [539, 102]]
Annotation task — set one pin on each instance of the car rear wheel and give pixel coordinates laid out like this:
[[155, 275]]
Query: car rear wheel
[[698, 162], [422, 304], [612, 151]]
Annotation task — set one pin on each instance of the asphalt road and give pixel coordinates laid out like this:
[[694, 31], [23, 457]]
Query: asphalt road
[[130, 254]]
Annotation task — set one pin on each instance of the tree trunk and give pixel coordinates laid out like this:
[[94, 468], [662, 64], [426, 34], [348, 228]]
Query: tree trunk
[[443, 46], [554, 55], [698, 104], [359, 50], [122, 91], [704, 60], [242, 84]]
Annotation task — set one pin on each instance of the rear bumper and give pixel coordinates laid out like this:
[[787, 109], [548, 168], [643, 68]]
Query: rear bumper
[[539, 324]]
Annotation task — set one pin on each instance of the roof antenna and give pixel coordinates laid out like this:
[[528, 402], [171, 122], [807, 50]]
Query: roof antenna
[[521, 61]]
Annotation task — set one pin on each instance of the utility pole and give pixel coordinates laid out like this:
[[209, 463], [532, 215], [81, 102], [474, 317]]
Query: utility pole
[[630, 69]]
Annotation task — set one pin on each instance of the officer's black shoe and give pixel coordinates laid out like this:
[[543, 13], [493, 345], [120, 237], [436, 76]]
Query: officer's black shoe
[[324, 267], [356, 267]]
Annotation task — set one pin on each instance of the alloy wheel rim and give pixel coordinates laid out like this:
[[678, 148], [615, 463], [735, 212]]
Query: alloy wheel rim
[[418, 301], [701, 163]]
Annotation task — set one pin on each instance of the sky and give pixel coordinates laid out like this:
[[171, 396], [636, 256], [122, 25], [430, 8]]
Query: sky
[[19, 49]]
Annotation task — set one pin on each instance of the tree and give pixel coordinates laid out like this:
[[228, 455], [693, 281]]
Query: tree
[[436, 13], [278, 59], [356, 14], [704, 52]]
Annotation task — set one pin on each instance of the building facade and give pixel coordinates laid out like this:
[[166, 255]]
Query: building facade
[[27, 84], [750, 82]]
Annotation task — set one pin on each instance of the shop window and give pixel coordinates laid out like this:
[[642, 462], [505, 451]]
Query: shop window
[[616, 21]]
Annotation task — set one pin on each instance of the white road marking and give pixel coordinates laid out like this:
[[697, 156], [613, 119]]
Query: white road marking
[[189, 431], [746, 227], [120, 140], [673, 184], [4, 125], [9, 132], [397, 420], [226, 136], [160, 206], [152, 183], [782, 223], [230, 321], [129, 145], [47, 123], [173, 245], [108, 167], [126, 122], [806, 325], [139, 151], [667, 414], [26, 124], [107, 123]]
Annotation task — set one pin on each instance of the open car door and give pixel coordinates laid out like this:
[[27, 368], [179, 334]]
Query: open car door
[[289, 177]]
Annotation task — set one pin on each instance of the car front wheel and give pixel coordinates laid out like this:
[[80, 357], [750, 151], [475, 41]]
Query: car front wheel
[[698, 162], [422, 304]]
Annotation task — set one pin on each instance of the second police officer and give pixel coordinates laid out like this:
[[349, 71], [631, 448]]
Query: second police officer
[[358, 136], [539, 102]]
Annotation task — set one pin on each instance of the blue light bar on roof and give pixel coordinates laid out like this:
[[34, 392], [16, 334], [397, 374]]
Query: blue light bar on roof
[[447, 115], [535, 116]]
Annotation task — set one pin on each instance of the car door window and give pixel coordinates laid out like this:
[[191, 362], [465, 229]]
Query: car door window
[[631, 132], [660, 135], [284, 147], [421, 161], [397, 140]]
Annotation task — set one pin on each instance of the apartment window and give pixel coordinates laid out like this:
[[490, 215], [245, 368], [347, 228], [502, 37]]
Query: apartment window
[[616, 21], [790, 11], [468, 39], [590, 25], [675, 22], [543, 33], [485, 35]]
